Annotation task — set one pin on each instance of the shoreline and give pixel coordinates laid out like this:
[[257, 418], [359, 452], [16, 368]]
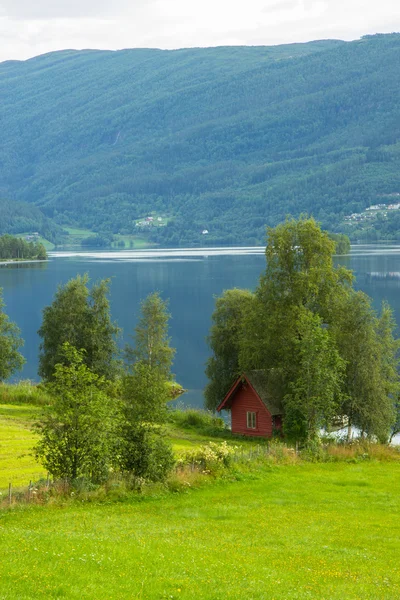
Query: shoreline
[[13, 261]]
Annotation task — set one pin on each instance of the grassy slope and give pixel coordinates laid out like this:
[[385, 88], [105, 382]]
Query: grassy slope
[[17, 438], [306, 531], [310, 531], [76, 235], [16, 441]]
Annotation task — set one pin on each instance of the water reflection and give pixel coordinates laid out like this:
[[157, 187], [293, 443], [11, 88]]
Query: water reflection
[[21, 264]]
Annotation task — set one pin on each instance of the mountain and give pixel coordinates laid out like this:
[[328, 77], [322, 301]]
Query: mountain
[[224, 139]]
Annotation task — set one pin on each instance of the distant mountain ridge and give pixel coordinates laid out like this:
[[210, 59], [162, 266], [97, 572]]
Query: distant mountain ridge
[[219, 139]]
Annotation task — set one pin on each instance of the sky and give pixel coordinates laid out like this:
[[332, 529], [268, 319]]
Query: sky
[[32, 27]]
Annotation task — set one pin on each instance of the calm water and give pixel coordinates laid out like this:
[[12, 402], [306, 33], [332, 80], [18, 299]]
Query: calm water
[[189, 278]]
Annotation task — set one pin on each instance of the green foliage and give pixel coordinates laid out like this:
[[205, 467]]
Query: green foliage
[[147, 384], [299, 275], [81, 318], [75, 429], [316, 391], [334, 356], [370, 351], [228, 139], [151, 337], [396, 425], [224, 341], [342, 242], [98, 241], [142, 451], [146, 393], [21, 217], [211, 457], [12, 248], [10, 341]]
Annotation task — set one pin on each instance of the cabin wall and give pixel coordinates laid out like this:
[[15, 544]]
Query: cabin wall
[[247, 400]]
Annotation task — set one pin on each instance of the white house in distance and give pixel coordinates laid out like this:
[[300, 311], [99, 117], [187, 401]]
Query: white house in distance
[[204, 232]]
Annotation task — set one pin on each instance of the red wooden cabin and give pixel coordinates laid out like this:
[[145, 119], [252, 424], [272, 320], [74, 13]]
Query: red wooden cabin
[[254, 407]]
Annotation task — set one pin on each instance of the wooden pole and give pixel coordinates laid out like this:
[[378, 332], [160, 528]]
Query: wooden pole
[[29, 491], [9, 493]]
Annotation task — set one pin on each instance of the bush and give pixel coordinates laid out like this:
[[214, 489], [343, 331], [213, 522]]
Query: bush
[[211, 457], [145, 455]]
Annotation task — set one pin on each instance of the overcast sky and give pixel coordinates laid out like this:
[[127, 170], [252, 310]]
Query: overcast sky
[[32, 27]]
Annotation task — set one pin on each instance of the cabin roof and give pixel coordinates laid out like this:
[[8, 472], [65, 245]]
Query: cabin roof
[[265, 383]]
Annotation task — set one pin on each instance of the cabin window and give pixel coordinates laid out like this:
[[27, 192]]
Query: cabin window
[[251, 420]]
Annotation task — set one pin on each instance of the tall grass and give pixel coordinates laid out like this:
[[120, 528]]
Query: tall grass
[[358, 450], [193, 418], [23, 392]]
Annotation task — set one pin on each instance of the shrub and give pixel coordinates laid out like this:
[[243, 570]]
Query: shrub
[[211, 457], [144, 455]]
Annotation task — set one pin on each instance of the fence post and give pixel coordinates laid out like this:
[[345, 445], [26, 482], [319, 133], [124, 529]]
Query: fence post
[[29, 490], [48, 481], [9, 493]]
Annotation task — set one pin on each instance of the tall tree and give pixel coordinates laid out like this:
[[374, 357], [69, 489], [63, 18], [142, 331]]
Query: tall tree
[[10, 341], [224, 340], [75, 430], [396, 425], [81, 317], [300, 275], [149, 363], [143, 451], [307, 322], [316, 389], [370, 350], [151, 338]]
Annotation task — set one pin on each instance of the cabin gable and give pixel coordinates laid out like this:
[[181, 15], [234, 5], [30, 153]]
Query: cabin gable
[[254, 404], [245, 401]]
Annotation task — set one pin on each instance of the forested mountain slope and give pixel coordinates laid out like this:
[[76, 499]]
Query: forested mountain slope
[[21, 217], [224, 139]]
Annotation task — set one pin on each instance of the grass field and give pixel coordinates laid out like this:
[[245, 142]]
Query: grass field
[[16, 441], [18, 466], [132, 242], [321, 531], [325, 531], [76, 235]]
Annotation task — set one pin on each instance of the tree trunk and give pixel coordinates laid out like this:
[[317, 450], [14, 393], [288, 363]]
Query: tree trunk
[[349, 430]]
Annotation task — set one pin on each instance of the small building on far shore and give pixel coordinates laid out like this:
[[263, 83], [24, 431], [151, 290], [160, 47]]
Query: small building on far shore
[[254, 405]]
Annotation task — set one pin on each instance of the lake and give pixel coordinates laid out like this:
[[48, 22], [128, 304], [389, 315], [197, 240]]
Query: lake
[[189, 278]]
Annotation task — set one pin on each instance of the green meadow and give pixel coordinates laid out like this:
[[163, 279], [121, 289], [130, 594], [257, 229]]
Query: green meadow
[[262, 530], [326, 531], [16, 441], [17, 464]]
